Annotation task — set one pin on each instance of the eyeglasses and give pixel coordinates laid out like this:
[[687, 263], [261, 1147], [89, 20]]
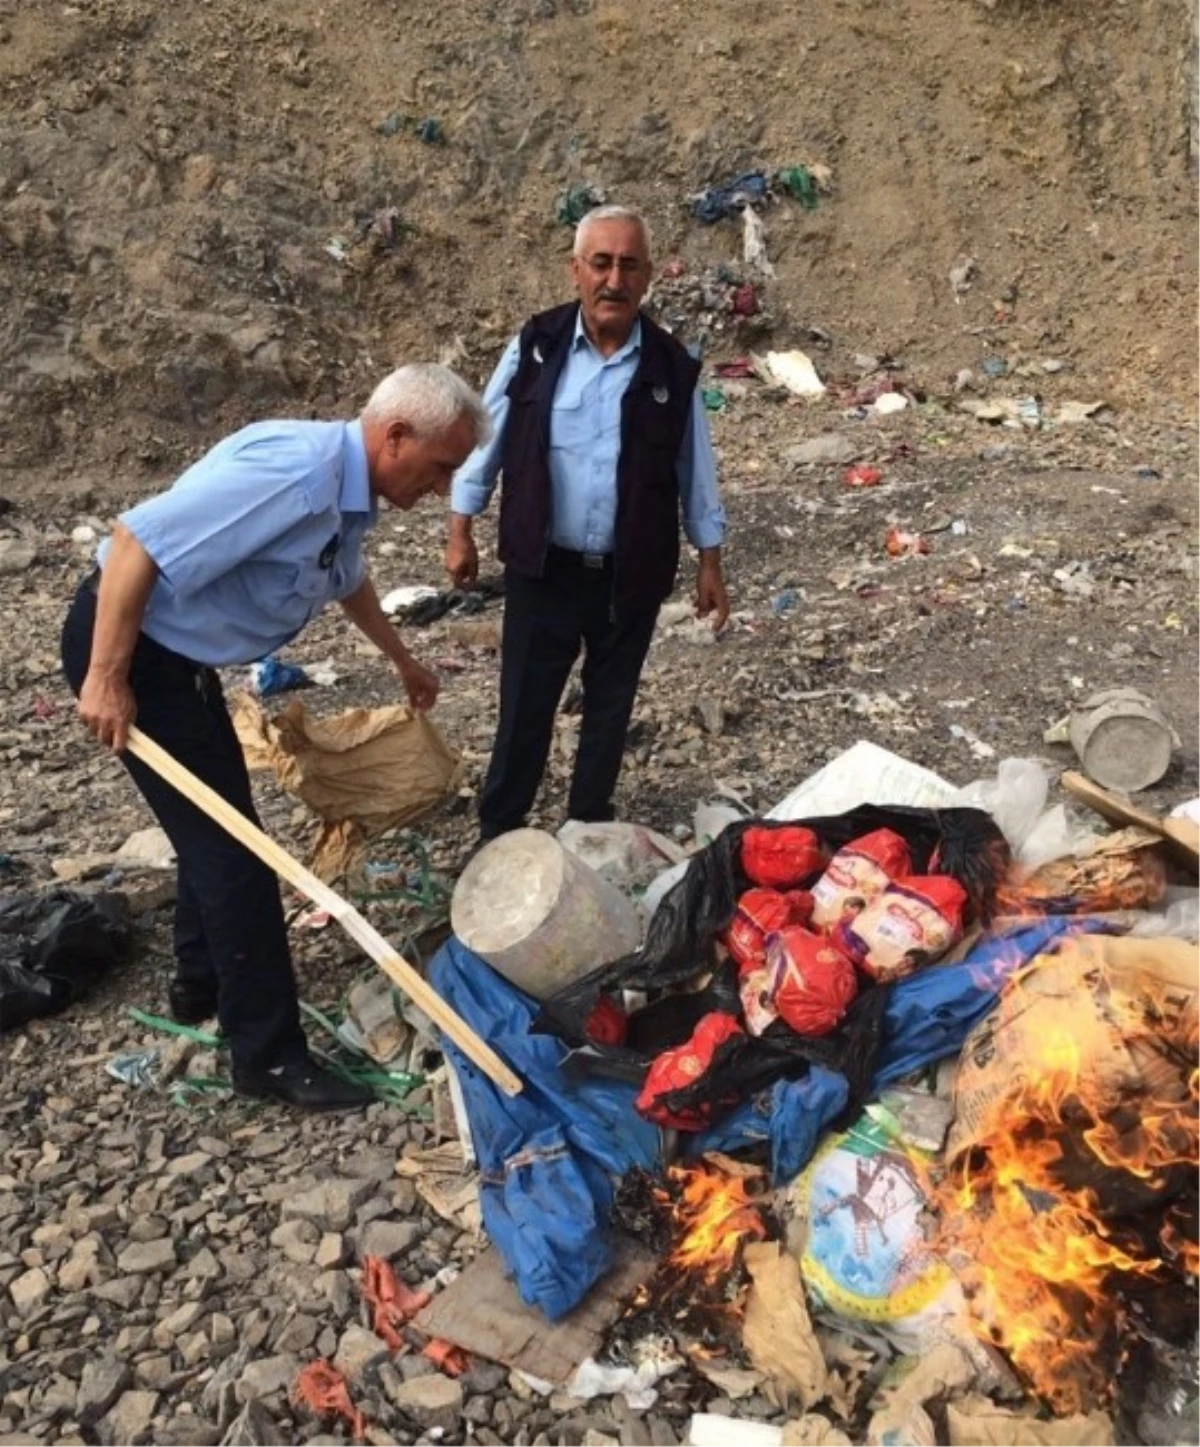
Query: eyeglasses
[[602, 263]]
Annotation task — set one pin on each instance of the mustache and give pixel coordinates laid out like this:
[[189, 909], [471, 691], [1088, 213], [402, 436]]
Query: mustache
[[606, 294]]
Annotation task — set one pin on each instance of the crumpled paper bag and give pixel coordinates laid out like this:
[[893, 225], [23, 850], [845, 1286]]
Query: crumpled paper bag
[[363, 772], [776, 1330]]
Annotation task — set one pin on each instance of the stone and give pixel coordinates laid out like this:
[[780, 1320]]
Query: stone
[[592, 1438], [297, 1335], [182, 1319], [831, 448], [16, 554], [103, 1381], [359, 1352], [252, 1427], [431, 1402], [331, 1251], [148, 1256], [80, 1268], [129, 1422], [188, 1165], [266, 1376], [29, 1290], [388, 1239], [122, 1292], [298, 1240], [149, 848], [331, 1205]]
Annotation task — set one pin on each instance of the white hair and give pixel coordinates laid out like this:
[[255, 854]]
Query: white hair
[[611, 213], [430, 398]]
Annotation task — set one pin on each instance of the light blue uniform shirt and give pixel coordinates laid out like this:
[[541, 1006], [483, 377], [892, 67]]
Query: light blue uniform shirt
[[254, 539], [585, 441]]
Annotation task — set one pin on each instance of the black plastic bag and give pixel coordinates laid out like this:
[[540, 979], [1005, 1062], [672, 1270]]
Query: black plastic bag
[[680, 945], [54, 947]]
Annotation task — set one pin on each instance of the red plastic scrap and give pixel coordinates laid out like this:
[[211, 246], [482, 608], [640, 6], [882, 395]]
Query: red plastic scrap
[[393, 1303], [900, 543], [862, 476], [446, 1356], [739, 367], [322, 1389]]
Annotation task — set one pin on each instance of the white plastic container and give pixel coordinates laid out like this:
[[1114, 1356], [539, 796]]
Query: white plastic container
[[1122, 738], [538, 915]]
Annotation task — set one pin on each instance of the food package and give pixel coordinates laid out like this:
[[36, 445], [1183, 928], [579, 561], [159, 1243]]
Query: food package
[[682, 1066], [812, 982], [781, 858], [912, 923], [761, 912], [857, 874]]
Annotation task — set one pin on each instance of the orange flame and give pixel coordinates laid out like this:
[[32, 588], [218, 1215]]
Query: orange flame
[[1023, 1218], [716, 1215]]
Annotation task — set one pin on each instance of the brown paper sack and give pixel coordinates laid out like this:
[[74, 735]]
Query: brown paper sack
[[363, 772]]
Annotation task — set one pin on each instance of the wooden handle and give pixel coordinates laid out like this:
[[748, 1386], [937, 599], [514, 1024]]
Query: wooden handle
[[394, 965]]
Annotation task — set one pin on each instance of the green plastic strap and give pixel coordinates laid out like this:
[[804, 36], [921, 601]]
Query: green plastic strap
[[172, 1027]]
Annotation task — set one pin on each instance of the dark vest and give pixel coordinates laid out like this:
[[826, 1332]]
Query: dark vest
[[655, 411]]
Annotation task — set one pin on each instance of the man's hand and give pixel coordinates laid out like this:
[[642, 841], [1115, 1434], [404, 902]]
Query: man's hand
[[462, 557], [420, 683], [711, 596], [107, 708]]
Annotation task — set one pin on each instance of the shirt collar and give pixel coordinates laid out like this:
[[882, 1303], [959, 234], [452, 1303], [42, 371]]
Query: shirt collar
[[355, 495], [633, 344]]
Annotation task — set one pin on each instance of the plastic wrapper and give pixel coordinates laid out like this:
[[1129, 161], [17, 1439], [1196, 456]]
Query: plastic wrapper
[[813, 982], [911, 924], [682, 1067], [761, 912], [55, 947], [781, 858], [857, 874]]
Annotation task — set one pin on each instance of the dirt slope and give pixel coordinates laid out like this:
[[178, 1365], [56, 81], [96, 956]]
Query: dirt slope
[[171, 175]]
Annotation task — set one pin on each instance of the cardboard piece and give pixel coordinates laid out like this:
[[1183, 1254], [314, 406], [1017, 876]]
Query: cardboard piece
[[776, 1330], [976, 1422], [363, 772], [482, 1312], [1181, 835]]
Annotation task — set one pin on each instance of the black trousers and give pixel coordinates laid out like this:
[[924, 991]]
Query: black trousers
[[546, 622], [230, 933]]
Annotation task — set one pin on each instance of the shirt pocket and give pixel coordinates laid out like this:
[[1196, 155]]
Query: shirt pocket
[[574, 426]]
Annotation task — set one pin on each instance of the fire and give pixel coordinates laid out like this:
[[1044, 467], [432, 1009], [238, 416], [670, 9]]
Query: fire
[[716, 1216], [1027, 1218]]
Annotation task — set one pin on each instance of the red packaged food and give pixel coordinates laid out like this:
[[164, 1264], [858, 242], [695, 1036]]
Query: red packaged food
[[683, 1066], [607, 1024], [912, 923], [761, 912], [812, 982], [858, 873], [781, 858]]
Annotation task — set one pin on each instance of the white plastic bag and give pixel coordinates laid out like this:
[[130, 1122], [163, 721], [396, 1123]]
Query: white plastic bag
[[1016, 799]]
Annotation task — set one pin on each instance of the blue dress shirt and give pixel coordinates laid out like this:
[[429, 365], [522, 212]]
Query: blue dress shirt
[[585, 441], [255, 538]]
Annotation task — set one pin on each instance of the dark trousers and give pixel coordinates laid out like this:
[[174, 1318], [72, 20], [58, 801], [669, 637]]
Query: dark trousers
[[230, 933], [546, 621]]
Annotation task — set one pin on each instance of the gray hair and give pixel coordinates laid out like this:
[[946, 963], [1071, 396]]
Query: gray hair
[[611, 213], [430, 398]]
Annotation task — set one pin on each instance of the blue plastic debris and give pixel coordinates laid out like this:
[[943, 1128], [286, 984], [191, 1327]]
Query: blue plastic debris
[[717, 202], [271, 676], [430, 131]]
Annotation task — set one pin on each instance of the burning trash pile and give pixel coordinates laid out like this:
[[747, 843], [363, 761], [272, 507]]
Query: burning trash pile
[[905, 1115]]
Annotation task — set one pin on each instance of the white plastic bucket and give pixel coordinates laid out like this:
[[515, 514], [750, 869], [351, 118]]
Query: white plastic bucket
[[1122, 738], [538, 915]]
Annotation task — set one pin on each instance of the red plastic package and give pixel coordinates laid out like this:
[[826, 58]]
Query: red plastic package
[[682, 1066], [812, 982], [607, 1024], [781, 858], [912, 923], [761, 912], [858, 873]]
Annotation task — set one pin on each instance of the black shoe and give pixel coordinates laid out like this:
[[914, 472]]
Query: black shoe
[[191, 1001], [304, 1084]]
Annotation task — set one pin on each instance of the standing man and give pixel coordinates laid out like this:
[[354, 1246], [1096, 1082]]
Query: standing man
[[603, 442], [225, 567]]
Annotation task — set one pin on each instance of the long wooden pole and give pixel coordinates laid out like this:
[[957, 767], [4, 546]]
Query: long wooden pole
[[394, 965]]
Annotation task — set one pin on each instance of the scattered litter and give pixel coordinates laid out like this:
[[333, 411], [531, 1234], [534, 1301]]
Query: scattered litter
[[754, 246], [324, 1391], [390, 1301], [795, 371], [629, 856], [803, 184], [83, 534], [962, 274], [635, 1384], [714, 399], [776, 1330], [430, 131], [1122, 738], [575, 203], [717, 202], [138, 1068], [888, 403], [978, 747], [901, 543], [271, 677], [862, 476], [1075, 412], [400, 599], [54, 947], [978, 1422]]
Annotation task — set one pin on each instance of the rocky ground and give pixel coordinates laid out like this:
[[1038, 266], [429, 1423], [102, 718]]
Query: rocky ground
[[168, 1268]]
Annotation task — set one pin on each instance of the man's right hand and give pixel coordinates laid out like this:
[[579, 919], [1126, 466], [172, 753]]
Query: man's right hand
[[107, 708], [462, 557]]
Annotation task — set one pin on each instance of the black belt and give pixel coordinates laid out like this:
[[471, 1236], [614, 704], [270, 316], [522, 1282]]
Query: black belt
[[593, 562]]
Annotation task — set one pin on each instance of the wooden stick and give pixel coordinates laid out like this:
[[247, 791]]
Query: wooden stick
[[394, 965]]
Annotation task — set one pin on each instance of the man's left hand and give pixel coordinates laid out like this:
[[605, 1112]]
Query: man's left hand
[[711, 596], [420, 683]]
